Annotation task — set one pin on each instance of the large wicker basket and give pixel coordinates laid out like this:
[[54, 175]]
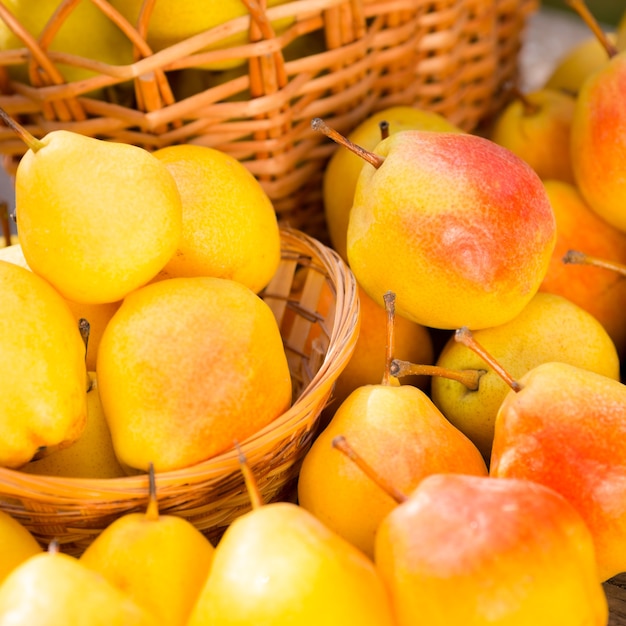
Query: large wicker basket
[[314, 297], [449, 56]]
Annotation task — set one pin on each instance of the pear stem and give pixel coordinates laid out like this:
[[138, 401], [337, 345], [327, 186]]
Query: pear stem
[[320, 125], [152, 510], [575, 257], [5, 223], [30, 140], [530, 108], [252, 486], [84, 327], [384, 129], [464, 335], [341, 443], [53, 546], [583, 11], [390, 307], [469, 378]]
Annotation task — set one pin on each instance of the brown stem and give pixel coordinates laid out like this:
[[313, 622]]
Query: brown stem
[[384, 129], [340, 443], [575, 257], [583, 11], [152, 510], [464, 335], [30, 140], [390, 308], [469, 378], [320, 125], [5, 224], [252, 486], [530, 108]]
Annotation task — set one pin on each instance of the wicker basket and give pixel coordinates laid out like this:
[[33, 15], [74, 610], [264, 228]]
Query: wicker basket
[[450, 56], [211, 494]]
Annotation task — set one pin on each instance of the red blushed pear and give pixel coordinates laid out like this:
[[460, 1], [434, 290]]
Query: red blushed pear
[[598, 142], [489, 552], [565, 427], [458, 227]]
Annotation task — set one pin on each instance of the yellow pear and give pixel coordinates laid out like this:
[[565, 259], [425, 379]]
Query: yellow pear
[[91, 455], [549, 328], [398, 429], [16, 544], [161, 561], [230, 229], [86, 32], [95, 218], [344, 167], [53, 588], [278, 564], [42, 370], [171, 22], [186, 367], [537, 126]]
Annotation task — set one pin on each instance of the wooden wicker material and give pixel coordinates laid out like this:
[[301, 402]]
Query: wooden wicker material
[[319, 334], [450, 56]]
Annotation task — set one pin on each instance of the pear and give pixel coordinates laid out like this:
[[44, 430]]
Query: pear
[[52, 588], [537, 127], [279, 564], [396, 427], [161, 561], [92, 455], [43, 377], [97, 219], [458, 227], [343, 168], [489, 552], [16, 544], [549, 328], [230, 229], [598, 144]]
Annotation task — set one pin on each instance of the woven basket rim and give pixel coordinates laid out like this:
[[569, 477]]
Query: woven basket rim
[[14, 483]]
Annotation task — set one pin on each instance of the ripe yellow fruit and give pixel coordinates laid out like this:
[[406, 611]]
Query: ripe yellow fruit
[[186, 367], [16, 544], [230, 229]]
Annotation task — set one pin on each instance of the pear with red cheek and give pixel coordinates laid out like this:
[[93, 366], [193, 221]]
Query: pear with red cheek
[[565, 427], [458, 227], [598, 141], [489, 552]]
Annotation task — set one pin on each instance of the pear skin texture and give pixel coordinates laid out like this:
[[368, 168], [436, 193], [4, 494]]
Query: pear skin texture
[[91, 455], [230, 229], [459, 228], [489, 552], [398, 431], [55, 588], [539, 135], [343, 169], [566, 429], [601, 292], [186, 367], [278, 564], [16, 544], [549, 328], [99, 231], [160, 561], [42, 370], [598, 141]]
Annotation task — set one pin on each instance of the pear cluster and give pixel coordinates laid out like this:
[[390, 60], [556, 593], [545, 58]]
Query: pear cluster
[[470, 466]]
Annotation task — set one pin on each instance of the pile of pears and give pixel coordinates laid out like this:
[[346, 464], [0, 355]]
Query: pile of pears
[[470, 466]]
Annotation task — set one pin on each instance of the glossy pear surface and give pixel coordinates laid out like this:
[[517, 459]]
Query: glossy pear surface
[[16, 544], [97, 219], [459, 228], [489, 552], [566, 429], [549, 328], [402, 435], [278, 564]]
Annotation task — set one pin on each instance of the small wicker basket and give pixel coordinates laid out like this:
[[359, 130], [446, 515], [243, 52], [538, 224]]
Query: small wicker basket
[[319, 334], [450, 56]]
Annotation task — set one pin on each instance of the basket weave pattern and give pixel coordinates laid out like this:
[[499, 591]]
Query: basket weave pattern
[[319, 337], [449, 56]]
